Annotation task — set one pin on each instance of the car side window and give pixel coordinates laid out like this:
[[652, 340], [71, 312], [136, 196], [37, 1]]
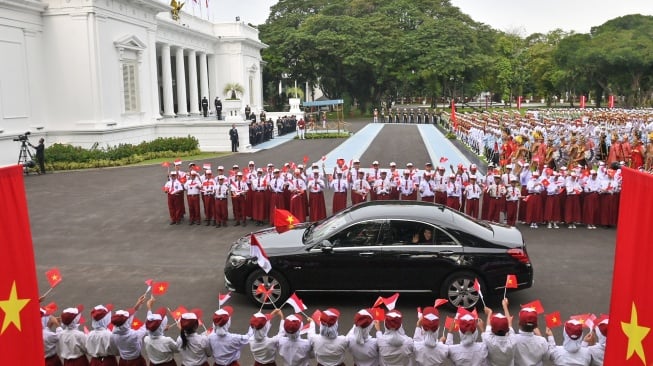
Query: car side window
[[403, 232], [443, 238], [361, 234]]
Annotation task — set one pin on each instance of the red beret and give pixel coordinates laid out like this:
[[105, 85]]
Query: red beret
[[99, 312], [292, 324], [430, 319], [528, 316], [363, 318], [393, 319], [258, 320], [221, 316], [603, 326], [499, 323], [188, 321], [467, 324], [120, 317], [329, 316], [155, 319], [69, 314], [574, 329]]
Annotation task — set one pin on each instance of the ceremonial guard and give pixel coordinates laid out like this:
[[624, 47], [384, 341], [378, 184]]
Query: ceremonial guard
[[208, 196], [317, 206], [407, 188], [175, 192], [221, 204], [239, 190], [193, 187], [340, 187], [472, 196], [382, 187], [454, 191]]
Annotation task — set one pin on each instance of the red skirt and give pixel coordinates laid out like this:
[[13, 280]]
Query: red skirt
[[276, 201], [79, 361], [409, 197], [453, 202], [53, 361], [297, 207], [572, 209], [317, 207], [394, 193], [259, 212], [534, 208], [140, 361], [104, 361], [357, 198], [441, 198], [552, 208], [339, 201], [428, 199], [485, 207], [523, 205], [591, 208]]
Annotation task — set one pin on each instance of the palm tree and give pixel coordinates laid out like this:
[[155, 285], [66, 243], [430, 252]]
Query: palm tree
[[233, 90], [297, 92]]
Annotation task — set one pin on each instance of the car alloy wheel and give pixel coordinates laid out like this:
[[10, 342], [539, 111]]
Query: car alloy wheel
[[267, 288], [459, 289]]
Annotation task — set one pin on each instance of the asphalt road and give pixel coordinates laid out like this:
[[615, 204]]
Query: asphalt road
[[107, 231]]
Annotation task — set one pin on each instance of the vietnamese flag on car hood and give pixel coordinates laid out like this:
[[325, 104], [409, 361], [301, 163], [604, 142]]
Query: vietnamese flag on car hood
[[284, 220]]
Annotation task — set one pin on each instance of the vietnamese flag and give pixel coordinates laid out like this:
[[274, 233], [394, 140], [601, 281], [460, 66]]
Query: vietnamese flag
[[178, 312], [378, 314], [439, 302], [159, 288], [553, 320], [136, 324], [165, 164], [631, 319], [19, 298], [284, 220], [537, 305], [450, 323], [511, 281], [54, 277]]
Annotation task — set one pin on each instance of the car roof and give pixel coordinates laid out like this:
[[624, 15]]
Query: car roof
[[413, 210]]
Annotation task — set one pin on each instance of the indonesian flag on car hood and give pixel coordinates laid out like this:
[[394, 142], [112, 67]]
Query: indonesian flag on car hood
[[256, 250]]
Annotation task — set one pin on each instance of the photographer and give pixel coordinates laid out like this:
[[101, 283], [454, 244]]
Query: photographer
[[40, 154]]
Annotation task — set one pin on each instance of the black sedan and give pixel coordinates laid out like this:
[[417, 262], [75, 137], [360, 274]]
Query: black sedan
[[384, 246]]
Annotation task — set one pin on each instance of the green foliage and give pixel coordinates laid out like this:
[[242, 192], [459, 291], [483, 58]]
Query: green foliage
[[450, 135], [326, 135], [233, 90], [66, 157]]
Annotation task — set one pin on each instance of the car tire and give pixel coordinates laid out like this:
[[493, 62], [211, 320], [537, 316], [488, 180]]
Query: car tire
[[459, 290], [274, 282]]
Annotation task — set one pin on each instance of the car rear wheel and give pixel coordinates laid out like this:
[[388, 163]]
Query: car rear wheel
[[458, 288], [267, 288]]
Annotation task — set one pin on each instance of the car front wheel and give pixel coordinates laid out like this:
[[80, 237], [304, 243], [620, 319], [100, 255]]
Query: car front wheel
[[459, 289], [267, 288]]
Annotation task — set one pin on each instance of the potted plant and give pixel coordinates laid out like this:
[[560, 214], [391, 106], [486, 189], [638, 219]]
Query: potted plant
[[295, 91], [233, 90]]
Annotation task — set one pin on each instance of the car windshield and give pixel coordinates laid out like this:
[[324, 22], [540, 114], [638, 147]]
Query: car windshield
[[317, 231]]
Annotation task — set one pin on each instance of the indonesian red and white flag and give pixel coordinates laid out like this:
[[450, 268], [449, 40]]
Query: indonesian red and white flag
[[256, 250], [222, 298], [390, 301], [296, 303]]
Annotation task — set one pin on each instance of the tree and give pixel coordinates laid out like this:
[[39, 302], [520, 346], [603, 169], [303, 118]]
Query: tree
[[233, 90]]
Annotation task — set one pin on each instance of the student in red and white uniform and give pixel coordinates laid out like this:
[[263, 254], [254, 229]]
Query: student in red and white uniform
[[258, 198], [395, 347], [294, 350], [225, 346], [597, 348], [299, 198], [194, 348], [316, 203], [591, 200], [407, 187], [72, 341], [552, 213], [128, 341], [382, 187], [571, 352], [427, 188], [468, 352], [339, 185], [496, 198], [454, 191], [329, 347], [159, 348], [208, 194], [440, 180], [51, 330], [193, 187], [362, 346], [99, 347], [394, 177], [572, 203], [428, 348], [239, 191], [530, 347], [221, 201], [372, 176], [276, 187], [472, 194], [513, 195], [174, 191], [360, 189], [264, 348], [534, 206], [498, 337]]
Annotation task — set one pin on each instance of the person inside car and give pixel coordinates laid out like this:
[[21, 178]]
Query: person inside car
[[426, 237]]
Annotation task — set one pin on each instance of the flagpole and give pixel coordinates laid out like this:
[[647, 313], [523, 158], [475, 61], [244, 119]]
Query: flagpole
[[47, 293]]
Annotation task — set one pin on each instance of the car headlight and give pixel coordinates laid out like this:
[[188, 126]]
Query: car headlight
[[237, 260]]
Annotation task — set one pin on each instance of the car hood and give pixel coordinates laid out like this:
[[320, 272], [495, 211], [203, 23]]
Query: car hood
[[507, 235], [273, 243]]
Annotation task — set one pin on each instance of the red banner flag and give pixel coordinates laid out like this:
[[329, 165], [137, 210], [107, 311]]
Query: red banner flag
[[378, 314], [284, 220], [439, 302], [159, 288], [136, 323], [611, 101], [519, 99], [582, 102], [511, 281], [54, 277], [19, 298], [631, 319], [450, 323], [165, 164], [537, 305], [553, 320]]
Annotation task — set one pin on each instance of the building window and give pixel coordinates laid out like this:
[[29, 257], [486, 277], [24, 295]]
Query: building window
[[130, 87]]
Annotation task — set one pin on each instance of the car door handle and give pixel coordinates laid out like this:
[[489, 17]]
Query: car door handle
[[446, 252], [404, 255], [366, 254]]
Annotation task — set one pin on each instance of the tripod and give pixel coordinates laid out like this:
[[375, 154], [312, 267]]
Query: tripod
[[25, 157]]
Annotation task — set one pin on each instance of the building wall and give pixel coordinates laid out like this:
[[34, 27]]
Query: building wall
[[61, 73]]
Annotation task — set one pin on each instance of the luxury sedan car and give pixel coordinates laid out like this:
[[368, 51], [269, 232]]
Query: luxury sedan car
[[383, 246]]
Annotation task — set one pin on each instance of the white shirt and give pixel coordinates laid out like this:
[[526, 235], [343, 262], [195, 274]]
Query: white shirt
[[472, 355], [426, 355], [193, 186], [98, 343], [295, 351], [329, 352], [265, 350], [160, 349], [560, 357], [501, 349], [226, 349], [315, 185], [128, 342], [339, 185], [72, 344], [50, 341], [427, 188], [197, 349], [391, 355], [530, 349], [366, 354]]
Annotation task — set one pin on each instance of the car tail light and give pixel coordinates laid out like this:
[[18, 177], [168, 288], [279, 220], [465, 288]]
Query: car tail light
[[519, 255]]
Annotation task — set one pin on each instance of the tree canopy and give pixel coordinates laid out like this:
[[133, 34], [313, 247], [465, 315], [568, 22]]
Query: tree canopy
[[386, 50]]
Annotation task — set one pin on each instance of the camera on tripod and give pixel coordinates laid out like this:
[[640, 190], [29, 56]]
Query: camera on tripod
[[23, 138]]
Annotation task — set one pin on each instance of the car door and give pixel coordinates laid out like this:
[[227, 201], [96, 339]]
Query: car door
[[416, 263], [351, 262]]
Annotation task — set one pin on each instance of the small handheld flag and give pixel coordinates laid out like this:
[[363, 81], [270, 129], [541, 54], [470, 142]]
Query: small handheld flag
[[159, 288]]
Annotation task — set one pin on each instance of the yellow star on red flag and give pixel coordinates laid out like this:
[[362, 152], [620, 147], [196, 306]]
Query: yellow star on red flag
[[12, 308], [636, 334]]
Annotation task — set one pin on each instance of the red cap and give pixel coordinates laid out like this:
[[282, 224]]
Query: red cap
[[603, 325], [221, 316], [528, 316], [292, 324], [99, 312], [69, 314], [430, 319], [574, 329], [120, 317], [393, 319], [499, 323], [467, 324], [363, 318], [188, 321], [329, 316], [258, 320], [155, 319]]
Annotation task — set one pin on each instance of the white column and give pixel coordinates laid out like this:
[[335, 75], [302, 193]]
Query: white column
[[192, 83], [204, 81], [154, 83], [213, 78], [166, 75], [182, 109]]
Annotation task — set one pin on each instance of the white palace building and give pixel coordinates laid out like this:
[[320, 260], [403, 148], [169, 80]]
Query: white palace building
[[103, 72]]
